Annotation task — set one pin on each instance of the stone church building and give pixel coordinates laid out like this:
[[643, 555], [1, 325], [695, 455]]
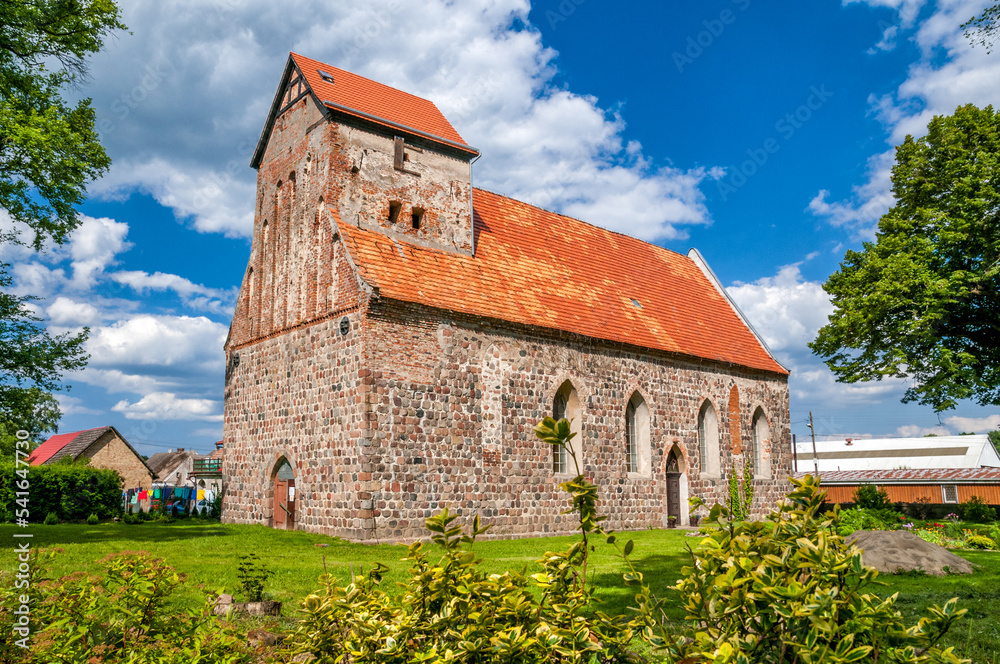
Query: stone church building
[[399, 333]]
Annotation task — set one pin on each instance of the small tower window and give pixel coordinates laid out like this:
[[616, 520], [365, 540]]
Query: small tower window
[[418, 216], [394, 208]]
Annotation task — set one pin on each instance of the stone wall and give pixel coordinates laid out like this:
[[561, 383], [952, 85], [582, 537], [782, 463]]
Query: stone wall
[[434, 376]]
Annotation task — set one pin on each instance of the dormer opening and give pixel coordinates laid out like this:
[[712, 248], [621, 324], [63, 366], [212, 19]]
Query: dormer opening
[[326, 76], [417, 216], [394, 208]]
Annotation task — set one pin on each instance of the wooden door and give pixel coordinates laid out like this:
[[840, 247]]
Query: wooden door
[[281, 514], [674, 495]]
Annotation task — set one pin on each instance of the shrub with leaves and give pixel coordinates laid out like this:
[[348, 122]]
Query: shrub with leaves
[[123, 616], [451, 611], [789, 590], [859, 518], [252, 575], [741, 493], [976, 510], [980, 542], [869, 496]]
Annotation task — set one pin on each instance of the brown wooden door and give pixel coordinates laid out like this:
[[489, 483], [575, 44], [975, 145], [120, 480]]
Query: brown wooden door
[[674, 495], [281, 514]]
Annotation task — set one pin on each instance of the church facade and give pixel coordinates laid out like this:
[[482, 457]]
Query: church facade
[[399, 333]]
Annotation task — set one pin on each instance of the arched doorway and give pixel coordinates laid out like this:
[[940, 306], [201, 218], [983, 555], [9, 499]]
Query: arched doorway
[[673, 478], [284, 496]]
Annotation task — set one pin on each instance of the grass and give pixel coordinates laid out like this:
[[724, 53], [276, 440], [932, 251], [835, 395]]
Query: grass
[[208, 553]]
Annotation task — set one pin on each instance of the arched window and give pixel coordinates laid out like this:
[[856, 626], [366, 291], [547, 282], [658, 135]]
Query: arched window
[[761, 444], [566, 404], [637, 435], [708, 440]]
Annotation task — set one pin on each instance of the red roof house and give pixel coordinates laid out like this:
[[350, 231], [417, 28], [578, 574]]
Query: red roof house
[[105, 447]]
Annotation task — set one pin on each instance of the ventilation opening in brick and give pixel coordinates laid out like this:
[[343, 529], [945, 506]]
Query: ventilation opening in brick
[[418, 216], [394, 208]]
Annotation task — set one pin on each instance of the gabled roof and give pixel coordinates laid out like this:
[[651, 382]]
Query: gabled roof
[[366, 99], [970, 451], [544, 269], [65, 444], [910, 476], [74, 444], [162, 463]]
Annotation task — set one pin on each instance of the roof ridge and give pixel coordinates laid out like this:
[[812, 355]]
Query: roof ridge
[[577, 219]]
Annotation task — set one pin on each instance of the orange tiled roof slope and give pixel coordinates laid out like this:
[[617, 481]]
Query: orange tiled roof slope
[[364, 95], [544, 269]]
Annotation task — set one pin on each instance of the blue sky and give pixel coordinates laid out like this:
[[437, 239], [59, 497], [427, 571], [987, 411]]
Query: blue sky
[[760, 133]]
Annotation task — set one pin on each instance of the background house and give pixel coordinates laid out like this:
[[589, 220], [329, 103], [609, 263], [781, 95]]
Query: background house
[[104, 446], [943, 470]]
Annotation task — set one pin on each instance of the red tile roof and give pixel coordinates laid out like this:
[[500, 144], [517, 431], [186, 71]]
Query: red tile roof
[[55, 444], [909, 475], [544, 269], [350, 91]]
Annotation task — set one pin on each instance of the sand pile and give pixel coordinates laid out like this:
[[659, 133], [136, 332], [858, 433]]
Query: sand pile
[[901, 551]]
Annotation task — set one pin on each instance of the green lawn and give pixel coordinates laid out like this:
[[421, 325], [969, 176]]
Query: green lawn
[[208, 553]]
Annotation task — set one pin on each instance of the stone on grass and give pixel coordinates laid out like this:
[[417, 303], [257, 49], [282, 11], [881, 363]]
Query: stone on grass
[[892, 551]]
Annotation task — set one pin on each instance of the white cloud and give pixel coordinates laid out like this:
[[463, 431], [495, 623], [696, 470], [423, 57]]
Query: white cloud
[[64, 311], [167, 406], [906, 9], [146, 340], [974, 424], [93, 246], [785, 309], [181, 113], [916, 431], [194, 295], [788, 312], [950, 73], [73, 406]]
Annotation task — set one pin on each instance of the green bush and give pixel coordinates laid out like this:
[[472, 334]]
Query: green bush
[[859, 518], [795, 592], [451, 611], [869, 496], [72, 491], [51, 519], [980, 542], [976, 510], [92, 520], [785, 590], [122, 616]]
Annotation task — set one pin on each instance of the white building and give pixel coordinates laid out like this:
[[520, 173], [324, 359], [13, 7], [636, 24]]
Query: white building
[[938, 452]]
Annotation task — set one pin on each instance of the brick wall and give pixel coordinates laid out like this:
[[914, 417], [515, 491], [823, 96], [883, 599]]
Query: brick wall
[[109, 451]]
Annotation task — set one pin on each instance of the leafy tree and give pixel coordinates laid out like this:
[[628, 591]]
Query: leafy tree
[[31, 363], [922, 301], [985, 28], [995, 439], [48, 149]]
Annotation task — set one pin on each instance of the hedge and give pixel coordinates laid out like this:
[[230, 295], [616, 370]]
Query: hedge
[[72, 491]]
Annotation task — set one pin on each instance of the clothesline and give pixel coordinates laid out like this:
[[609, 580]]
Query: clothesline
[[183, 498]]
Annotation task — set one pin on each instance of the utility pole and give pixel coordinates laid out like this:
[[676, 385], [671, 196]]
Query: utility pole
[[815, 456]]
